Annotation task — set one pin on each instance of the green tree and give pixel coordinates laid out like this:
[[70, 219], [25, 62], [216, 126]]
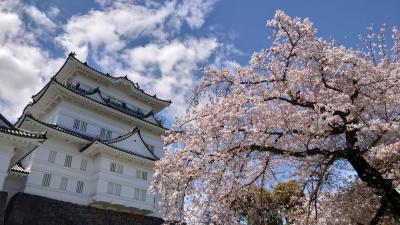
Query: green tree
[[259, 206]]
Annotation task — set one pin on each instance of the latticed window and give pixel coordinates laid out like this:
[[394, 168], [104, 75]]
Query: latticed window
[[52, 156], [113, 167], [140, 174], [140, 194], [105, 134], [79, 187], [63, 183], [116, 168], [83, 164], [114, 189], [46, 180], [120, 169], [68, 161], [80, 125]]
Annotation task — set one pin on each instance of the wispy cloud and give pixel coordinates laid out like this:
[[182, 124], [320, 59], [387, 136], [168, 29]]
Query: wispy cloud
[[24, 66], [40, 18]]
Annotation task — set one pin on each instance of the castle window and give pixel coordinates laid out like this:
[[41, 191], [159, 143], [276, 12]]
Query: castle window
[[120, 169], [80, 125], [140, 194], [83, 164], [52, 156], [63, 183], [105, 134], [113, 167], [79, 187], [116, 168], [114, 189], [68, 161], [140, 174], [46, 180]]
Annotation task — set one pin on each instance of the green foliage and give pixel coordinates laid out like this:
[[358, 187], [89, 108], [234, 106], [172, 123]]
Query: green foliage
[[259, 206], [284, 191]]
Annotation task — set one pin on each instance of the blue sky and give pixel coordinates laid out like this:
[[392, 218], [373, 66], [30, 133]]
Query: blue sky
[[160, 44]]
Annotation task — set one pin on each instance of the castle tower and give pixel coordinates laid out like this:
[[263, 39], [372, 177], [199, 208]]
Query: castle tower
[[103, 139]]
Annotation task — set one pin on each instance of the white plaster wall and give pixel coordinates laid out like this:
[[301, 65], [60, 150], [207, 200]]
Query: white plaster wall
[[6, 153], [95, 178], [127, 180], [41, 165], [14, 184]]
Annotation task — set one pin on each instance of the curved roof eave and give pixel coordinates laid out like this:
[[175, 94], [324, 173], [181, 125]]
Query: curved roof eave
[[94, 140], [125, 79], [101, 103], [126, 136], [116, 148], [57, 128]]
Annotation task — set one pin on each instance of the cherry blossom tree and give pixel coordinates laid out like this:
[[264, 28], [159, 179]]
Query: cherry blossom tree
[[305, 109]]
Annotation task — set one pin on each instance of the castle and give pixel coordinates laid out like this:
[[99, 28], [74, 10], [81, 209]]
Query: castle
[[88, 139]]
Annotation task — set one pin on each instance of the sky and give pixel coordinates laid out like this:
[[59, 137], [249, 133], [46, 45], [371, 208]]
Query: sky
[[162, 45]]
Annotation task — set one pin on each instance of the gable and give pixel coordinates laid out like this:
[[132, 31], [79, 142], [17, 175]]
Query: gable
[[132, 143]]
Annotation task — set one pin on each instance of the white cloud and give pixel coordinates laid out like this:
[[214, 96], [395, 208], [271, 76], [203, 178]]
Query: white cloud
[[108, 28], [9, 26], [195, 11], [24, 67], [114, 26], [40, 18], [174, 65], [53, 11]]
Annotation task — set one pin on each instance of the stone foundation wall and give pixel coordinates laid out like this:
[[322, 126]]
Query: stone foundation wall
[[3, 202], [26, 209]]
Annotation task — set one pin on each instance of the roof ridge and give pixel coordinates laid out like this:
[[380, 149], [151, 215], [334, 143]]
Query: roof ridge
[[147, 147], [130, 152], [123, 136], [135, 85], [59, 128], [16, 131]]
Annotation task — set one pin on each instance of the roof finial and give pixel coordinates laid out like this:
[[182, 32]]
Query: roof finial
[[73, 54]]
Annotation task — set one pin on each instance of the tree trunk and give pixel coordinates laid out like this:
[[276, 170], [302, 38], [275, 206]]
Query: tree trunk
[[383, 187]]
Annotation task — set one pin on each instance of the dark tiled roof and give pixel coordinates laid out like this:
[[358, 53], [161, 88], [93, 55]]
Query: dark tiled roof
[[122, 137], [61, 129], [105, 103], [19, 168], [129, 152], [135, 85], [10, 129], [93, 140]]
